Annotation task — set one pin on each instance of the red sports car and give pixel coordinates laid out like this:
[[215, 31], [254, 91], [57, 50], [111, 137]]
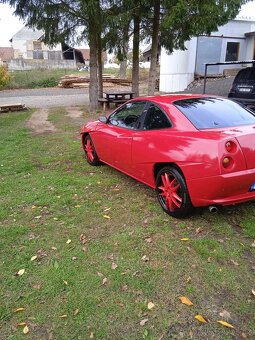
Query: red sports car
[[194, 150]]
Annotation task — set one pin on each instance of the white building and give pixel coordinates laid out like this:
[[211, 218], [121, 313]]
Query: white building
[[234, 41], [27, 44]]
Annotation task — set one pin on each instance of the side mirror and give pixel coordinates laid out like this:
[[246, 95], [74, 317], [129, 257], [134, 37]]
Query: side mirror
[[102, 119]]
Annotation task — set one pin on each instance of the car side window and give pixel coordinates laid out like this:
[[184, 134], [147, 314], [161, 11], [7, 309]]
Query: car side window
[[156, 119], [128, 116]]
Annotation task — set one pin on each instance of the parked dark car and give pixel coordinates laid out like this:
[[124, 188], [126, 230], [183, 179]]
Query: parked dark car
[[243, 87]]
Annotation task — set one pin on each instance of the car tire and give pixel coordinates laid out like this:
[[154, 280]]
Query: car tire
[[172, 192], [90, 151]]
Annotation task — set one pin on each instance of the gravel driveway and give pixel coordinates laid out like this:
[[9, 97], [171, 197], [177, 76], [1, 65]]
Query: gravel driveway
[[55, 97]]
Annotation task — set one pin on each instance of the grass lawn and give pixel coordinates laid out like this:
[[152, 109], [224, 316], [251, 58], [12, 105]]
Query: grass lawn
[[97, 250]]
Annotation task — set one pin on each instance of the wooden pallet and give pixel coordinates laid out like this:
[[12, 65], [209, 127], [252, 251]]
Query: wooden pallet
[[12, 107]]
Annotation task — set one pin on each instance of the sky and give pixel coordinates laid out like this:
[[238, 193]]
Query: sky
[[9, 24]]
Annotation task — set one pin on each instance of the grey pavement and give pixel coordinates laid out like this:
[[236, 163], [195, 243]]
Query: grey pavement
[[56, 97], [44, 98]]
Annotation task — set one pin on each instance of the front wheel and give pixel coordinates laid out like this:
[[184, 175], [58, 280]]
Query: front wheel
[[90, 151], [172, 192]]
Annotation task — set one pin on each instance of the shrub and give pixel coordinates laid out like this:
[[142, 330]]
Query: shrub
[[4, 77]]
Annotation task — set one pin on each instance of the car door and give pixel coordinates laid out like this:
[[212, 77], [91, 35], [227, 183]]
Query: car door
[[114, 139], [148, 142]]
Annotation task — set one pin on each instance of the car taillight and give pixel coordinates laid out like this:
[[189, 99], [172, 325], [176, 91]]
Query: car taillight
[[231, 146], [227, 162]]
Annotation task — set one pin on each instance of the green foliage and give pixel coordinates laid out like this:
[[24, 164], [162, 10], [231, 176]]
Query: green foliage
[[4, 77], [184, 19]]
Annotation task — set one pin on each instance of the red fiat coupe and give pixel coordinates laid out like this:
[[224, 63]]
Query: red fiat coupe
[[195, 150]]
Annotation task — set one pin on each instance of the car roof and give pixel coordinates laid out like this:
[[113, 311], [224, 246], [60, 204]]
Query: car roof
[[170, 98]]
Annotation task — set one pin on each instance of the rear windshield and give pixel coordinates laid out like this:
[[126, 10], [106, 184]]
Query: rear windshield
[[214, 113], [245, 75]]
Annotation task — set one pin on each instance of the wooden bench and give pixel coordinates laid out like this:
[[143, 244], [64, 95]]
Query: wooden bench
[[12, 107], [119, 101], [104, 102]]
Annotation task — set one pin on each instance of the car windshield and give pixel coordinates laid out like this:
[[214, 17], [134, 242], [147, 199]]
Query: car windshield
[[214, 113]]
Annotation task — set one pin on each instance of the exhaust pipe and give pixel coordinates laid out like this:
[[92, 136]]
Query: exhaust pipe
[[213, 209]]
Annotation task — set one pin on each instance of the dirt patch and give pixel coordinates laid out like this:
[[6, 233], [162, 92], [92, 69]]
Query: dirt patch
[[39, 123], [74, 112]]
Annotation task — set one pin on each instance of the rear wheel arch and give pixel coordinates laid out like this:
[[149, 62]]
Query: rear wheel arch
[[159, 166]]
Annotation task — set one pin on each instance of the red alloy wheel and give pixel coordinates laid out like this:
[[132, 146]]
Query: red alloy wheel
[[172, 192], [90, 151]]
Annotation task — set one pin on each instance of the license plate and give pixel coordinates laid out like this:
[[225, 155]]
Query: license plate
[[244, 89]]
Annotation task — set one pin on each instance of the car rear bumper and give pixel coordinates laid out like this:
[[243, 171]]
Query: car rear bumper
[[224, 189]]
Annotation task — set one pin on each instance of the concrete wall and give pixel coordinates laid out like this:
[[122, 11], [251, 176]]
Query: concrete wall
[[177, 69], [29, 64]]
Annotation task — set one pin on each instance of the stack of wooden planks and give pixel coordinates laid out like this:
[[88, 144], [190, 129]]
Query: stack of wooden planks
[[81, 81], [12, 107]]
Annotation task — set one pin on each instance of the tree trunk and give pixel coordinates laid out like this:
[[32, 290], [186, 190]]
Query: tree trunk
[[154, 49], [100, 67], [93, 84], [123, 69], [123, 63], [135, 69]]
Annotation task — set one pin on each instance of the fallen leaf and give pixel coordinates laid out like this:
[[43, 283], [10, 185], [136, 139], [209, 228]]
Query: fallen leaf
[[17, 310], [83, 239], [25, 330], [243, 335], [33, 207], [68, 241], [105, 281], [235, 263], [184, 239], [65, 282], [145, 258], [38, 217], [100, 274], [143, 322], [150, 305], [20, 272], [21, 324], [53, 248], [91, 335], [63, 316], [185, 301], [76, 312], [201, 318], [209, 260], [253, 292], [106, 216], [107, 209], [253, 244], [114, 265], [33, 258], [188, 279], [124, 288], [37, 286], [77, 206], [74, 258], [225, 324], [148, 239]]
